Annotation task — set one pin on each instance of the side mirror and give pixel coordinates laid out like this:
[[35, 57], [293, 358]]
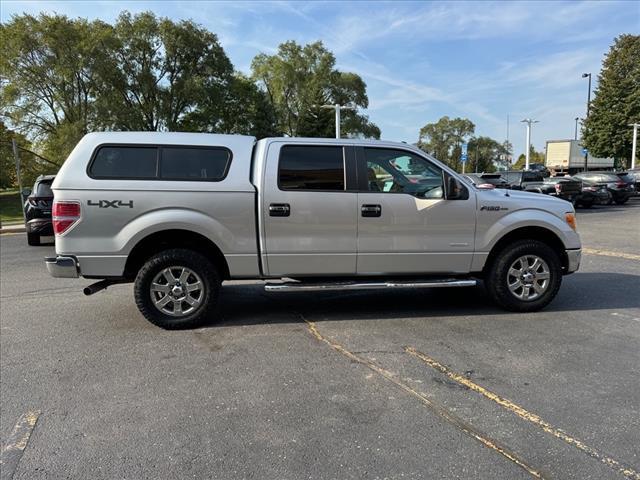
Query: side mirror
[[26, 192], [454, 190]]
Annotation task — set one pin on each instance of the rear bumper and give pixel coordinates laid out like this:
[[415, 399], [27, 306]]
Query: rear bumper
[[43, 226], [62, 267], [573, 260]]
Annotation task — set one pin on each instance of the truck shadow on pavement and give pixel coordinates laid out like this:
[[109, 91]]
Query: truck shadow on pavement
[[250, 305]]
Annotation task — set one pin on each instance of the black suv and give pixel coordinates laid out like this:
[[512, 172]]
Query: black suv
[[619, 189], [37, 209]]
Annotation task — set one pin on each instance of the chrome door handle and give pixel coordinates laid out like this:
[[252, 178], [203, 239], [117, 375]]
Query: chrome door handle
[[371, 210], [279, 210]]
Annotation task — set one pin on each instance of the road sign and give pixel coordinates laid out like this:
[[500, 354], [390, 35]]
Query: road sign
[[585, 151], [463, 155]]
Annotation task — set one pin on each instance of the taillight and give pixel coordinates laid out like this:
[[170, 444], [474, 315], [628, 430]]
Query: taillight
[[558, 187], [65, 214]]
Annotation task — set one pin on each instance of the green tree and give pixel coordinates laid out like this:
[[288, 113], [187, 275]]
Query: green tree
[[617, 101], [444, 138], [482, 153], [31, 164], [299, 79], [159, 73], [49, 65], [534, 157]]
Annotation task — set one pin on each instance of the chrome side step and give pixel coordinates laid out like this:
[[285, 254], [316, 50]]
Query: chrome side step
[[295, 286]]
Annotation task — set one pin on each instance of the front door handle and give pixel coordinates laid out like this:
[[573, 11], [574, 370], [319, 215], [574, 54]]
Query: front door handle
[[279, 210], [371, 210]]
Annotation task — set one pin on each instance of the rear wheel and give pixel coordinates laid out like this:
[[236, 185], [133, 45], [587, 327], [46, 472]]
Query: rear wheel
[[33, 239], [525, 276], [587, 204], [621, 201], [177, 289]]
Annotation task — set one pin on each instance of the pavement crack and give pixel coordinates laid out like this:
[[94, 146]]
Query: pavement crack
[[442, 412], [463, 381]]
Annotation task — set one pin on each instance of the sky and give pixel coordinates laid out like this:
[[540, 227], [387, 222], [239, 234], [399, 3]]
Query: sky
[[484, 61]]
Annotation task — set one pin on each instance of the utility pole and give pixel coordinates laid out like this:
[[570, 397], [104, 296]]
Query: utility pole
[[634, 144], [528, 121], [338, 108], [17, 157], [586, 154]]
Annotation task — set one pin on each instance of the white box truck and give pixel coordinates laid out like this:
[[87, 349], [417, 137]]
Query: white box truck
[[566, 157]]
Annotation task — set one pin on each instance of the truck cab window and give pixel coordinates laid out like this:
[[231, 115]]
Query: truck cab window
[[397, 171], [311, 167]]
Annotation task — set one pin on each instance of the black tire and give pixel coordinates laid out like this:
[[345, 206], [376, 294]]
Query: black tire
[[622, 201], [177, 258], [33, 239], [496, 280], [587, 204]]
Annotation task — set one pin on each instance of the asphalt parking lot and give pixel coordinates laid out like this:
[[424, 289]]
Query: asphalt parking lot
[[392, 384]]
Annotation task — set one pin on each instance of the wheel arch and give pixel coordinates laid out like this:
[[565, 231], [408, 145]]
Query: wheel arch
[[541, 234], [174, 238]]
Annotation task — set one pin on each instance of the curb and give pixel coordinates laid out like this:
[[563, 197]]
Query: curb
[[12, 229]]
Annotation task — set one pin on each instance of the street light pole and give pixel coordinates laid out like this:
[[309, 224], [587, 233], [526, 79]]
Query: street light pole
[[338, 108], [633, 145], [576, 134], [586, 154], [528, 121]]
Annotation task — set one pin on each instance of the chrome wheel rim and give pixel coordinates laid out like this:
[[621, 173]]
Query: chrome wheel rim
[[177, 291], [528, 278]]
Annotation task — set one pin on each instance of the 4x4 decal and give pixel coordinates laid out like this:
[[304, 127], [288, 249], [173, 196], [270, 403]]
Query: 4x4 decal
[[110, 203]]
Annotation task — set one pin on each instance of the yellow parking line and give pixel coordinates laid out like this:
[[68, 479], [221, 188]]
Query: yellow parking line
[[441, 411], [609, 253], [15, 445], [526, 415]]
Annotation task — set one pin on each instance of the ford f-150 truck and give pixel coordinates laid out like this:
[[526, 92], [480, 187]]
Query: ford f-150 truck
[[179, 213]]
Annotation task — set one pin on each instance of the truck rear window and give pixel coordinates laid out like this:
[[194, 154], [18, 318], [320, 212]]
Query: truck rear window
[[311, 167], [160, 162]]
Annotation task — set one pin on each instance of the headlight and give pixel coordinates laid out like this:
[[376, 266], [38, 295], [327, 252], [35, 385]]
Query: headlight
[[570, 218]]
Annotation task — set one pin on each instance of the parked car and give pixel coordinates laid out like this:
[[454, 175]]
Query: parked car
[[487, 180], [179, 213], [620, 190], [520, 179], [561, 187], [632, 178], [594, 195], [539, 168], [37, 209], [565, 188]]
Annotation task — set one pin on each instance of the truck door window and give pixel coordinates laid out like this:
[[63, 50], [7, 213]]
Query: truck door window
[[311, 167], [398, 171]]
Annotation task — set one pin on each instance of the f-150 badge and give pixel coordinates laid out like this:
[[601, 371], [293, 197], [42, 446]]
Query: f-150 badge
[[492, 208]]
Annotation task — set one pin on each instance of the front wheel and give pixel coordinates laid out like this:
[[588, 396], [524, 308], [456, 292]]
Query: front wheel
[[525, 276], [177, 289]]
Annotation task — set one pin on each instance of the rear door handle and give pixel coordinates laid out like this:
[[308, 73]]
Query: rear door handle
[[279, 210], [371, 210]]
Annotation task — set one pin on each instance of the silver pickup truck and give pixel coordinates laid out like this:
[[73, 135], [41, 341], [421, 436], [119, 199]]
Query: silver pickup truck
[[179, 213]]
